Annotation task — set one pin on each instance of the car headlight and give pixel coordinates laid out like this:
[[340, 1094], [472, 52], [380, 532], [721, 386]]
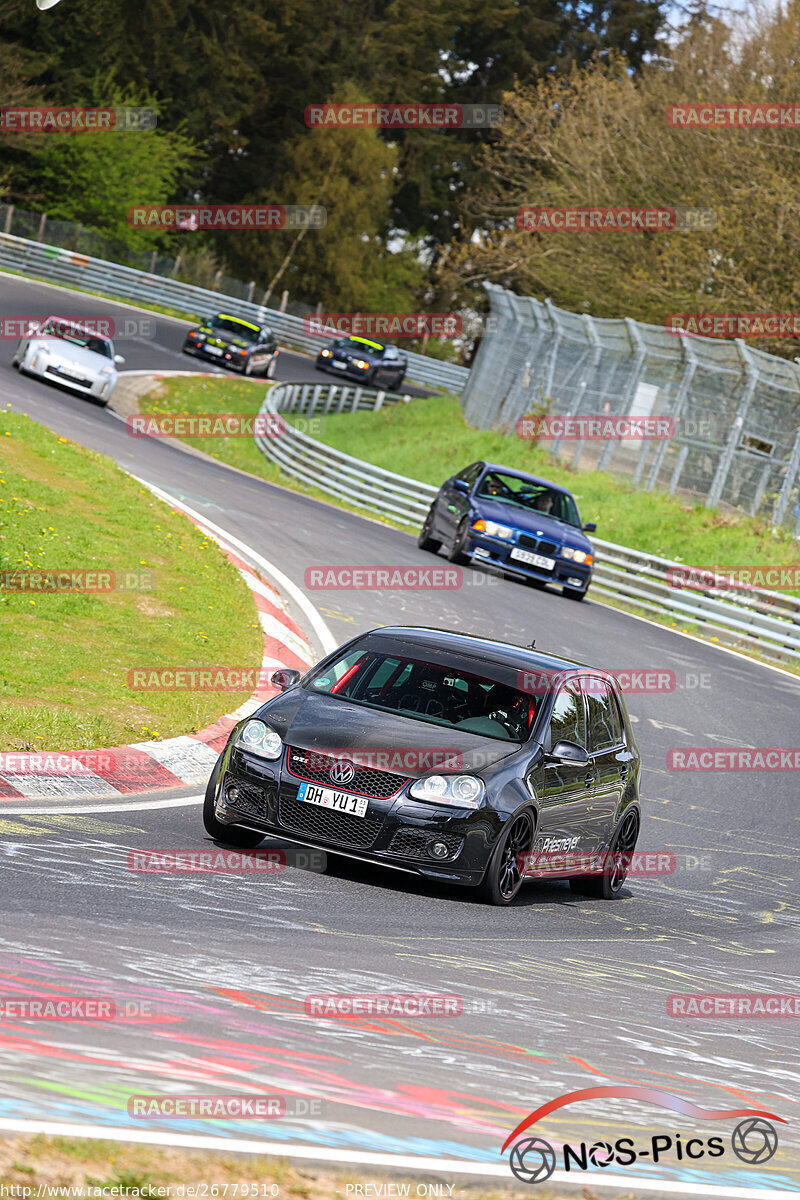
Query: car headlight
[[258, 738], [106, 371], [493, 529], [359, 362], [326, 354], [578, 556], [462, 791]]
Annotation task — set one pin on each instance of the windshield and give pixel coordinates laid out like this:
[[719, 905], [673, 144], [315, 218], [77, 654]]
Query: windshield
[[360, 347], [435, 693], [248, 333], [87, 341], [527, 494]]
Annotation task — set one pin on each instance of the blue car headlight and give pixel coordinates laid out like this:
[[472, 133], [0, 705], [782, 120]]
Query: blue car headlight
[[462, 791], [258, 738], [493, 529], [578, 556]]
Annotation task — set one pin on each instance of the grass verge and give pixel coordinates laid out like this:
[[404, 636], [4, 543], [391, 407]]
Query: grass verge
[[175, 600]]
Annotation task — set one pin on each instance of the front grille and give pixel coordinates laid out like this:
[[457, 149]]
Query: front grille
[[250, 799], [414, 843], [87, 383], [339, 828], [367, 781], [541, 547]]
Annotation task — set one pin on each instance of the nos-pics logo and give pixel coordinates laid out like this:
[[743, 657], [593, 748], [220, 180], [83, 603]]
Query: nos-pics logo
[[533, 1160], [45, 4]]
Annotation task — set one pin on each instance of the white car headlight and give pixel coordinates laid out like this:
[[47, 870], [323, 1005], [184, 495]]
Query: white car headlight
[[577, 556], [326, 353], [462, 791], [493, 529], [258, 738]]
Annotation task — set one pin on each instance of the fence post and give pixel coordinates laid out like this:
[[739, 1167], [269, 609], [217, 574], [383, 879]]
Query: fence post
[[792, 468], [284, 301], [683, 454], [718, 482], [42, 224], [636, 340], [681, 396], [9, 215], [379, 401], [594, 358]]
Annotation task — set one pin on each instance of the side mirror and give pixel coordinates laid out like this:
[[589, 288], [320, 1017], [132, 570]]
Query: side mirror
[[590, 527], [569, 752], [119, 360], [285, 678], [460, 486]]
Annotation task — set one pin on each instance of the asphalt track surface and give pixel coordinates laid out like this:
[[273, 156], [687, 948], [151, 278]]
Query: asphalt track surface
[[560, 992]]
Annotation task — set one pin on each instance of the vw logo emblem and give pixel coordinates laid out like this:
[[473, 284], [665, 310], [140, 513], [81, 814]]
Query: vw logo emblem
[[342, 771], [754, 1140], [533, 1160]]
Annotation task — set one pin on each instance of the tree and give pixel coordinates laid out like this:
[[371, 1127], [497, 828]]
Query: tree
[[599, 136]]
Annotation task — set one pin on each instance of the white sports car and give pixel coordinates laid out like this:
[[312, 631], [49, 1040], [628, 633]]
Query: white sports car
[[65, 352]]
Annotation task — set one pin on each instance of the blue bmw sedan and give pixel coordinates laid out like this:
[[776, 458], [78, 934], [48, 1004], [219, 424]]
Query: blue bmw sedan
[[524, 525]]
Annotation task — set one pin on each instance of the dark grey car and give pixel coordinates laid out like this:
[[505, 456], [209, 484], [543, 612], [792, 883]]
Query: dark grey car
[[459, 758]]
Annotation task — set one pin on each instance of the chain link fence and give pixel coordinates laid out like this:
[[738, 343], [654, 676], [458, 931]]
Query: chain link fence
[[736, 410]]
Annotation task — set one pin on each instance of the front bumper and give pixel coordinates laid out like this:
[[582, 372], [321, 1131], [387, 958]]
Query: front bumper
[[99, 387], [495, 552], [349, 371], [397, 832], [232, 363]]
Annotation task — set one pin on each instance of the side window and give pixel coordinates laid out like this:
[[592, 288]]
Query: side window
[[567, 721], [603, 732], [616, 716]]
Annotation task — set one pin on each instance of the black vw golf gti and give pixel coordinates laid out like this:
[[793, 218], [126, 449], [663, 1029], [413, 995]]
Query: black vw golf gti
[[234, 343], [455, 757]]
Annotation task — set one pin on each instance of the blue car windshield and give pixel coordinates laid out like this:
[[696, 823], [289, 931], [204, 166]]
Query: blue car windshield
[[530, 495]]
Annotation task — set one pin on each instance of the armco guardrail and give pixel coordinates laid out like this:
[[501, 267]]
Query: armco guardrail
[[128, 283], [767, 621]]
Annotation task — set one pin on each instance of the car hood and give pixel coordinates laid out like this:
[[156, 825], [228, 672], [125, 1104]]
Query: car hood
[[349, 355], [78, 356], [538, 524], [310, 721], [219, 338]]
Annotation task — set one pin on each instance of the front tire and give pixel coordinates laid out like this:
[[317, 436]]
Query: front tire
[[425, 541], [573, 593], [609, 885], [503, 878], [456, 553], [230, 835]]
